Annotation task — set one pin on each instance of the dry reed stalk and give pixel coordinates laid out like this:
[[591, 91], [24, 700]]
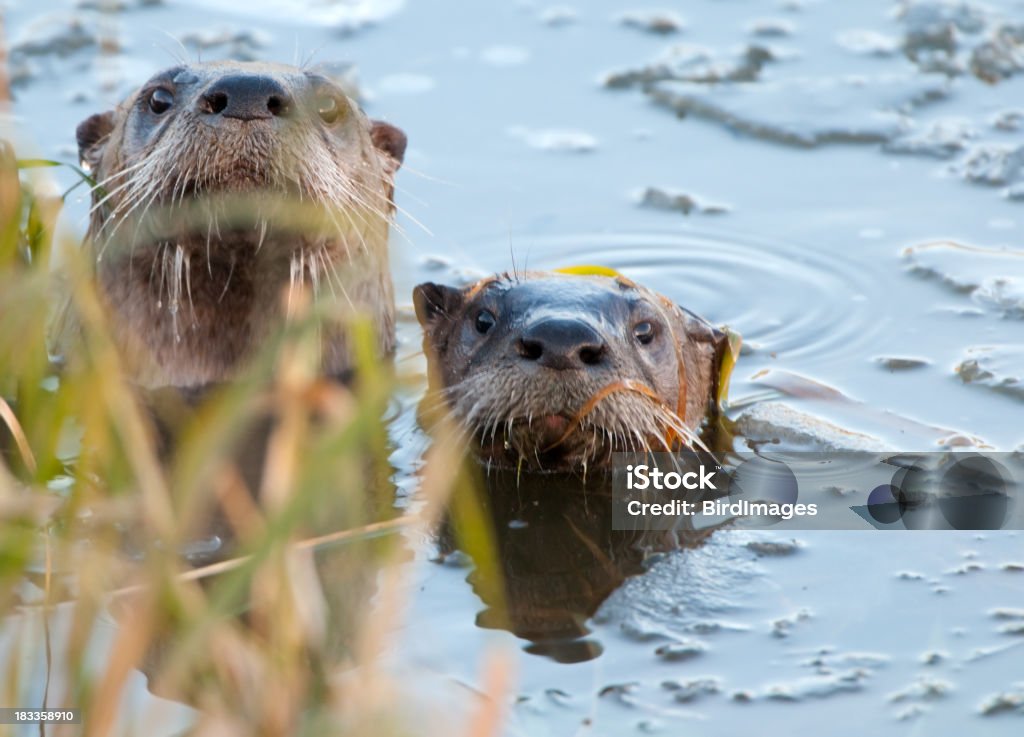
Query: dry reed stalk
[[10, 419], [489, 716]]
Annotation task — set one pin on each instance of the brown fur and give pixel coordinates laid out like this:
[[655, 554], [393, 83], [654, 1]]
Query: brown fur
[[652, 396], [204, 227]]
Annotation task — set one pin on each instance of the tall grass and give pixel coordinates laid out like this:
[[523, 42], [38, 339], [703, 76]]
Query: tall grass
[[281, 631]]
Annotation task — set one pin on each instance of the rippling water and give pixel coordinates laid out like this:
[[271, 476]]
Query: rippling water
[[519, 154], [794, 302]]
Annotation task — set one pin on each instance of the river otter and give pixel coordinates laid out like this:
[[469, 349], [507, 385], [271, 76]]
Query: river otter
[[554, 372], [221, 187]]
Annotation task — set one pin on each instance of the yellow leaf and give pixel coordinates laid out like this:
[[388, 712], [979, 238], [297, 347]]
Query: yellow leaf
[[732, 353], [588, 270]]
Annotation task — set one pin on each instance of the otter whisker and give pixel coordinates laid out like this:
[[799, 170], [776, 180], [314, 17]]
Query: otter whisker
[[293, 270], [415, 221], [409, 195], [675, 423], [394, 224], [337, 280], [209, 258], [227, 282], [152, 268], [360, 193], [177, 183], [349, 214], [145, 198], [263, 235], [428, 177], [110, 193], [163, 275], [383, 213], [324, 265], [352, 229], [188, 286], [174, 302], [498, 421], [380, 212], [183, 60], [314, 274], [102, 185]]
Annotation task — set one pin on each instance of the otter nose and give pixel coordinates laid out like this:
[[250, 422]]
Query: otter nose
[[245, 97], [562, 344]]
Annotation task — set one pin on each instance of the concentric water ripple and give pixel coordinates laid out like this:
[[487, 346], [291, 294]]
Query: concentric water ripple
[[784, 300]]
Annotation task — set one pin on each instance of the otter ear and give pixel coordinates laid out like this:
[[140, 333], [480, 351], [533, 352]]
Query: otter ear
[[390, 140], [436, 303], [92, 134]]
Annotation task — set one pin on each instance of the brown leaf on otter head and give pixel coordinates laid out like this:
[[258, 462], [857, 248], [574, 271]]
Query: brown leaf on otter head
[[92, 134]]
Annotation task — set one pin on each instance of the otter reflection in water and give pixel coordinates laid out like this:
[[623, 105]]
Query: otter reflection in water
[[558, 558]]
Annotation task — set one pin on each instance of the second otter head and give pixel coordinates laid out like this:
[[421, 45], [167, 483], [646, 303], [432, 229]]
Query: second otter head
[[552, 372]]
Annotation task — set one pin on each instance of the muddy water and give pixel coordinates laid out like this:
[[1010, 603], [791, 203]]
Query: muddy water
[[792, 205]]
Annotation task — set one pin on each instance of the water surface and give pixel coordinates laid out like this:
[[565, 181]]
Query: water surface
[[805, 190]]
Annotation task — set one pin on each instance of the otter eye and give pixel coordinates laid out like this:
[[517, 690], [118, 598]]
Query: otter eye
[[160, 100], [328, 109], [485, 321], [644, 332]]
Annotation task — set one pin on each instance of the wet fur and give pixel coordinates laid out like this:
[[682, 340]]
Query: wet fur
[[192, 287], [498, 404]]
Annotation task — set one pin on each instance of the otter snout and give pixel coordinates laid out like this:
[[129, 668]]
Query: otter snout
[[244, 97], [562, 344]]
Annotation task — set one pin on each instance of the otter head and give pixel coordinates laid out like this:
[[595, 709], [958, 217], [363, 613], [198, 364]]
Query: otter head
[[552, 372], [219, 185]]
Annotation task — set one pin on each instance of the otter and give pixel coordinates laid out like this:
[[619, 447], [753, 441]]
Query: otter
[[222, 189], [555, 372]]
